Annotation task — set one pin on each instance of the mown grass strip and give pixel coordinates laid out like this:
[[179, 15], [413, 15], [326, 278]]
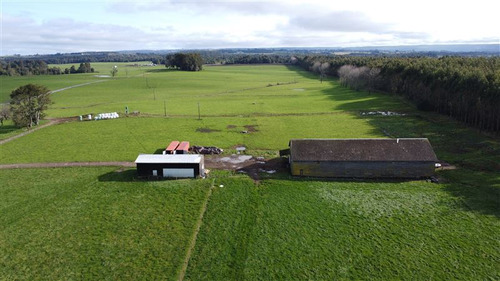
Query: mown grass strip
[[192, 242]]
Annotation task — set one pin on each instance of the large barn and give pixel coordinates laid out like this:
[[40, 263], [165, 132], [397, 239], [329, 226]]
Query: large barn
[[170, 165], [362, 158]]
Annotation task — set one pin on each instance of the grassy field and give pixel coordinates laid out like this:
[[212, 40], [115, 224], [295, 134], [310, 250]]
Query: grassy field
[[54, 82], [94, 223], [123, 139], [315, 230], [220, 91]]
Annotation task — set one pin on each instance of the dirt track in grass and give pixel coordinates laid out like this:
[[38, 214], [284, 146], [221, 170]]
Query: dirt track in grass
[[247, 164], [50, 123]]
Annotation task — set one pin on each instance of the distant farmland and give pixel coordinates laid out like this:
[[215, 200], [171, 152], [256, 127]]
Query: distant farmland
[[101, 222]]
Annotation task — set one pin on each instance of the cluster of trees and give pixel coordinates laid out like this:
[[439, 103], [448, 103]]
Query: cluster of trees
[[27, 105], [38, 67], [184, 61], [465, 88], [27, 67], [83, 68]]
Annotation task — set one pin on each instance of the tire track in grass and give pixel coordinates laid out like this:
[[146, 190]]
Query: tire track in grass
[[192, 243], [50, 123], [75, 86]]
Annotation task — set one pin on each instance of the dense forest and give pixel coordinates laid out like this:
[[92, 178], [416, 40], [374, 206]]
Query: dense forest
[[38, 67], [467, 89]]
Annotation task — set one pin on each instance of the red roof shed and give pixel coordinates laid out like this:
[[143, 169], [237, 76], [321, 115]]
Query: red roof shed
[[171, 147], [183, 148]]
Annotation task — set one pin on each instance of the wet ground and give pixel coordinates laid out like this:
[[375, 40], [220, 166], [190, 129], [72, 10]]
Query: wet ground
[[247, 164]]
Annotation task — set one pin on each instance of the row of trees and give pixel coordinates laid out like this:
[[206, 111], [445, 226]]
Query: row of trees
[[184, 61], [93, 57], [38, 67], [467, 89], [230, 58], [360, 77]]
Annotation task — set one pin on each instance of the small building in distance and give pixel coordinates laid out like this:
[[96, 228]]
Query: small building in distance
[[183, 148], [362, 158], [171, 147], [170, 165]]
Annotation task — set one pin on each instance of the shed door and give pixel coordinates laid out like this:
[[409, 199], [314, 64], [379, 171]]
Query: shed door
[[178, 173]]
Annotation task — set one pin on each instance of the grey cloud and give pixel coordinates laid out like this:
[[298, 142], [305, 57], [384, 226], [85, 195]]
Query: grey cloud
[[411, 35], [342, 21], [65, 35], [201, 7]]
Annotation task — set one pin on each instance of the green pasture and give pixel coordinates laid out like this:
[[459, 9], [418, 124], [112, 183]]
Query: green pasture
[[100, 223], [103, 223], [94, 223], [124, 138], [9, 129], [220, 91], [286, 229], [55, 82]]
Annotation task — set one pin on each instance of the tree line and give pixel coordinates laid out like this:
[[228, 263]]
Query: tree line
[[38, 67], [92, 57], [465, 88], [27, 67]]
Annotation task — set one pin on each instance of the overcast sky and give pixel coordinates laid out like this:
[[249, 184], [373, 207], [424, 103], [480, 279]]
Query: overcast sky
[[51, 26]]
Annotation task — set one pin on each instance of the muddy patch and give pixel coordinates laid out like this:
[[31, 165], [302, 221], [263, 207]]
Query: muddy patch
[[254, 167], [251, 128], [232, 162], [231, 126], [206, 130]]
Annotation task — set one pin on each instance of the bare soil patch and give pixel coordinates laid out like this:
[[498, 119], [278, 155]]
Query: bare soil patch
[[247, 164], [231, 126], [251, 128], [206, 130]]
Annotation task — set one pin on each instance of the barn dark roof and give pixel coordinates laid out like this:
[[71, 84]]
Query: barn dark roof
[[361, 150]]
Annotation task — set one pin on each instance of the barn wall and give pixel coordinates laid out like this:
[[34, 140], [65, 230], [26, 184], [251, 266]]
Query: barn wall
[[363, 169], [146, 169]]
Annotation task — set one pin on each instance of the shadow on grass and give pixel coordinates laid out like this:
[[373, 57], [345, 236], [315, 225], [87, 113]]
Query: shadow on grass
[[5, 129], [350, 100], [129, 175], [160, 70], [480, 191], [159, 151]]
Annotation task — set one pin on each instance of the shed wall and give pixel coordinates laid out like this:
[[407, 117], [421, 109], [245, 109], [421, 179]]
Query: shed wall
[[352, 169], [146, 169]]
